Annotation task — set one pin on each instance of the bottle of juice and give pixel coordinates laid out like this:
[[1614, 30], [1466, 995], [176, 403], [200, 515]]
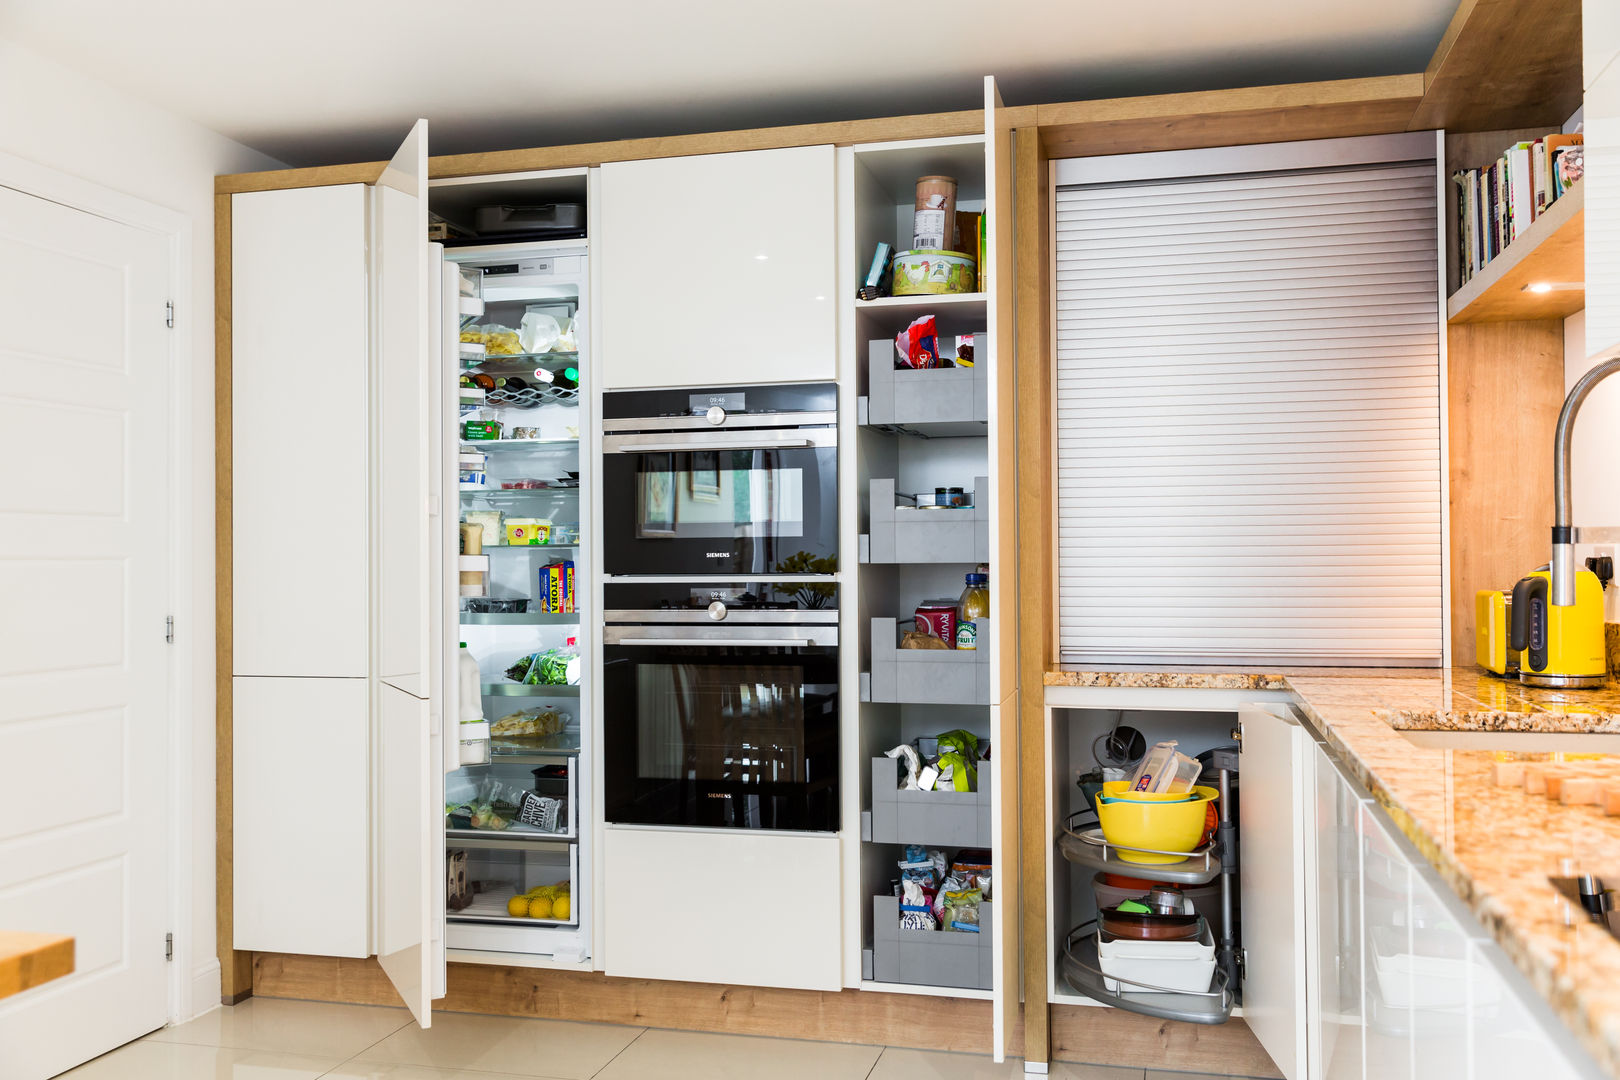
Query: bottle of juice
[[974, 605]]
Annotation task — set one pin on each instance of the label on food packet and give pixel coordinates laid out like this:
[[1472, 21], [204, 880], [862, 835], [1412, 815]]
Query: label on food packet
[[928, 230], [967, 634]]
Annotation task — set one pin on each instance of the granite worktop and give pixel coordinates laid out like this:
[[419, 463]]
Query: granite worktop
[[1495, 846]]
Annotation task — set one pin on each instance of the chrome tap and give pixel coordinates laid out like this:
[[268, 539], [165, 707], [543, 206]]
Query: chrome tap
[[1563, 533]]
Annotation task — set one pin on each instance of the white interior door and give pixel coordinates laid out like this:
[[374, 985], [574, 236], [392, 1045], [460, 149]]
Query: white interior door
[[1272, 883], [407, 765], [85, 582]]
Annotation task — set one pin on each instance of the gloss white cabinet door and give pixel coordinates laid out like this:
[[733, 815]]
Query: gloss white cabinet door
[[1336, 1024], [717, 269], [1386, 906], [1273, 884], [1602, 184], [300, 336]]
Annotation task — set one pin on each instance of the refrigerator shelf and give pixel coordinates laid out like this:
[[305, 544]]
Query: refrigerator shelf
[[498, 446], [513, 837], [485, 358], [520, 618], [512, 689], [491, 908], [488, 548]]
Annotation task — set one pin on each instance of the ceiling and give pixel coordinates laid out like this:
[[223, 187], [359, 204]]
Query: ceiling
[[324, 81]]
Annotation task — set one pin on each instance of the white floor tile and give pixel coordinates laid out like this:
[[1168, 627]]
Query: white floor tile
[[291, 1027], [522, 1047], [688, 1055], [147, 1060], [385, 1070], [899, 1064]]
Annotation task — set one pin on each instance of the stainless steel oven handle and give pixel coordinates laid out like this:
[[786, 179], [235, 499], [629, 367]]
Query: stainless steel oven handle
[[783, 643], [653, 448]]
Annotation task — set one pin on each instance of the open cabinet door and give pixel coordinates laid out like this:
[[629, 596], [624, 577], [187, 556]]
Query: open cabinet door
[[1271, 875], [407, 763], [998, 203]]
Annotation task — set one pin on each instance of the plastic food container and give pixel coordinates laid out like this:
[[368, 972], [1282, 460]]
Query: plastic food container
[[498, 605], [474, 742], [524, 532], [1184, 967], [1163, 822], [925, 272]]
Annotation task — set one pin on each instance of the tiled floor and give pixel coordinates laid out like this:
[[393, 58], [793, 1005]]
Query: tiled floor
[[267, 1039]]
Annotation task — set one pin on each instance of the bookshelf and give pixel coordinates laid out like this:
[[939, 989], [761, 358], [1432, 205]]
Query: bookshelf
[[1553, 250]]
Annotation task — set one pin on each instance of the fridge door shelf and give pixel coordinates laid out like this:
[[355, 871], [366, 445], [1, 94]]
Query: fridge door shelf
[[1083, 972], [1087, 847]]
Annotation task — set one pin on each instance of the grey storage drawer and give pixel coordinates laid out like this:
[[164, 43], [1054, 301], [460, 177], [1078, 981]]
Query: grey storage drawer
[[930, 957], [928, 676], [936, 402], [947, 818], [905, 534]]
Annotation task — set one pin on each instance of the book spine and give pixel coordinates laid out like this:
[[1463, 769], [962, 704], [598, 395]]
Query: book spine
[[1538, 166]]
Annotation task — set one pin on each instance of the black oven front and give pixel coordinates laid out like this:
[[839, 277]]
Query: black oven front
[[733, 480], [721, 704]]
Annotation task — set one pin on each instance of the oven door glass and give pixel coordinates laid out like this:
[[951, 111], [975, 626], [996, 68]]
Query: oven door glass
[[725, 735], [724, 510]]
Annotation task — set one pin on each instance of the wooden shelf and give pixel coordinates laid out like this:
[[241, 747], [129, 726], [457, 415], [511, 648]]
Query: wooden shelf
[[1553, 249]]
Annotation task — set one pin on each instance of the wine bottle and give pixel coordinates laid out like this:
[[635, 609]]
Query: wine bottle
[[568, 378]]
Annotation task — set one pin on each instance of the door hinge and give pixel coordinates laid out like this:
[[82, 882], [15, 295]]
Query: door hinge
[[168, 314], [168, 629], [168, 946]]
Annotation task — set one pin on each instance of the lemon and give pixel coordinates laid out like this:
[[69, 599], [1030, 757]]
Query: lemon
[[518, 905], [560, 909], [540, 908]]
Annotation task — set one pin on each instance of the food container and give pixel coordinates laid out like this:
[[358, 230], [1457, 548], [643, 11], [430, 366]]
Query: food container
[[490, 521], [938, 619], [471, 481], [525, 532], [1205, 899], [934, 213], [1171, 821], [498, 605], [472, 539], [929, 271], [473, 739], [474, 574], [1184, 967], [481, 430]]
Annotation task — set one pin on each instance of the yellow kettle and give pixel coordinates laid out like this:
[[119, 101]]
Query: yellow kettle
[[1558, 645]]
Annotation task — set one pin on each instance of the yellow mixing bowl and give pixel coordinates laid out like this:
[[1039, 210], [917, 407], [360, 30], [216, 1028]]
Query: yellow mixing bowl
[[1153, 821]]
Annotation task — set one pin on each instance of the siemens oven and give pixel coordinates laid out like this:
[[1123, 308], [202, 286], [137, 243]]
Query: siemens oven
[[720, 704], [734, 480]]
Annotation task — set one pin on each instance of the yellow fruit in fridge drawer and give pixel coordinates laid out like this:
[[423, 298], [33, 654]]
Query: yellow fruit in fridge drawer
[[518, 906], [540, 908], [560, 909]]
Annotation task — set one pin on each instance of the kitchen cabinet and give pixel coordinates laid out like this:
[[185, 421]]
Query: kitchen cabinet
[[337, 698], [718, 268], [1334, 1019], [1602, 179], [718, 906], [300, 347], [1386, 900]]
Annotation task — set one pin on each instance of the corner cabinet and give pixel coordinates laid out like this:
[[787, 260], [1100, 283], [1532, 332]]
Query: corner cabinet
[[338, 556], [719, 268]]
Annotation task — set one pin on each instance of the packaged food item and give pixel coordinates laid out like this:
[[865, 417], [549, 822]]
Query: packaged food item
[[557, 588], [523, 532], [541, 811], [459, 891], [916, 912], [530, 723], [959, 753], [480, 430], [961, 910], [972, 866], [907, 754], [501, 340], [938, 617], [934, 212], [1165, 769], [549, 667], [917, 345], [973, 605], [918, 639]]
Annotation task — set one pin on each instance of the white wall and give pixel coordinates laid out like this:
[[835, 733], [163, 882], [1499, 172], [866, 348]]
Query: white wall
[[70, 122]]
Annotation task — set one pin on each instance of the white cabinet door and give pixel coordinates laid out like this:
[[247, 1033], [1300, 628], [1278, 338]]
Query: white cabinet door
[[407, 762], [1441, 976], [1386, 925], [1602, 184], [1514, 1033], [300, 329], [407, 455], [743, 924], [302, 821], [1600, 38], [718, 269], [1334, 1036], [1272, 884]]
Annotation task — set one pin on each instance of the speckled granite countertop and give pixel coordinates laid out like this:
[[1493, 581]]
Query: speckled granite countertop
[[1496, 846]]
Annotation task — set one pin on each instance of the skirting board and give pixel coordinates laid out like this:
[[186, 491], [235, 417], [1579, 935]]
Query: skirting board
[[1081, 1034]]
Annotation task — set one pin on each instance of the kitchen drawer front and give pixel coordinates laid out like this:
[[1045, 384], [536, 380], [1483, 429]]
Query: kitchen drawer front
[[716, 906], [300, 335], [928, 676], [905, 534], [930, 957], [719, 268], [941, 818], [302, 816]]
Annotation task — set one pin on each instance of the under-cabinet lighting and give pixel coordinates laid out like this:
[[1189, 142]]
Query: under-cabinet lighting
[[761, 258], [1552, 286]]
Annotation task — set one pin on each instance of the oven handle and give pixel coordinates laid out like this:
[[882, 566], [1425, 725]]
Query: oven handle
[[661, 441], [653, 448], [783, 643]]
